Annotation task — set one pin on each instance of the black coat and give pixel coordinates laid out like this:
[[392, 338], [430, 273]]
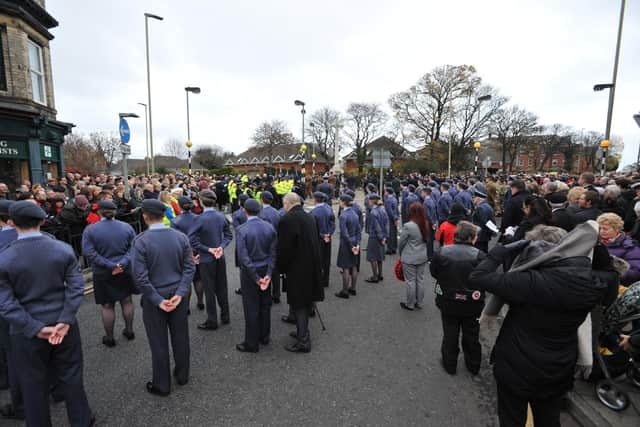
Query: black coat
[[513, 214], [563, 218], [537, 348], [583, 215], [298, 258]]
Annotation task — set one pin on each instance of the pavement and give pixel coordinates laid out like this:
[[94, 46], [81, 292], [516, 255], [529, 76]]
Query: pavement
[[376, 364]]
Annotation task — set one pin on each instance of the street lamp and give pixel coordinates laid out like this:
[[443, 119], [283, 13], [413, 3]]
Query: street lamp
[[301, 104], [125, 152], [146, 136], [189, 144], [146, 32], [604, 145], [636, 117], [313, 150], [612, 86], [477, 147]]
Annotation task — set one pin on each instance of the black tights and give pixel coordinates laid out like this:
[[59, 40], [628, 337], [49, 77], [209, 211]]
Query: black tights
[[109, 316], [349, 274], [199, 288], [376, 268]]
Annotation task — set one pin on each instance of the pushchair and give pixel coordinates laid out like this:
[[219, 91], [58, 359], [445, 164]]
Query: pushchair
[[621, 317]]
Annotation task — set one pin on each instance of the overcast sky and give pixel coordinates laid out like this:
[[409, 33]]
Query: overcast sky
[[253, 58]]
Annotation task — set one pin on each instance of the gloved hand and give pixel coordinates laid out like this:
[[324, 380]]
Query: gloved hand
[[502, 252]]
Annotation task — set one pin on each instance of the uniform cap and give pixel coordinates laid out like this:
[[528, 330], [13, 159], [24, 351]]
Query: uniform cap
[[107, 204], [26, 209], [478, 193], [184, 200], [412, 187], [266, 195], [153, 206], [208, 194], [350, 193], [373, 196], [319, 195], [4, 206], [243, 199], [346, 198], [556, 198], [252, 206], [635, 185]]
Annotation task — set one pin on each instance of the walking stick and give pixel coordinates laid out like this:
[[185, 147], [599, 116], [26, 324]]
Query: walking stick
[[315, 306]]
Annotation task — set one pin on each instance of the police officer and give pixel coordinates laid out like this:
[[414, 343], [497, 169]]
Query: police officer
[[460, 307], [40, 305], [106, 244], [272, 216], [482, 214], [163, 268], [349, 248], [210, 235], [326, 222], [257, 243], [391, 208]]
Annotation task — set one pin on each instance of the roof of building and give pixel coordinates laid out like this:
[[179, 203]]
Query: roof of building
[[284, 153], [167, 162], [382, 143]]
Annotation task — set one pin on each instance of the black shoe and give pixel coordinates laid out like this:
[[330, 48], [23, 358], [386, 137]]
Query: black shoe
[[244, 349], [7, 411], [312, 313], [276, 300], [200, 306], [418, 307], [128, 335], [343, 294], [290, 320], [352, 292], [297, 348], [153, 390], [390, 252], [179, 381], [265, 341], [207, 326], [371, 279], [238, 291], [380, 278], [225, 321], [188, 312], [450, 371], [109, 342], [405, 306], [293, 334]]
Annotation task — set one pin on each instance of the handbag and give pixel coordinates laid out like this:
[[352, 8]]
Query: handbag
[[397, 270]]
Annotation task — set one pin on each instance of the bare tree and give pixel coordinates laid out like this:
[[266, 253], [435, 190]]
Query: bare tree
[[271, 134], [555, 138], [78, 153], [324, 128], [175, 148], [512, 126], [363, 123], [211, 156], [106, 146]]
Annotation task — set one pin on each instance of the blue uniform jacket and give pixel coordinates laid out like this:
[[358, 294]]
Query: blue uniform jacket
[[435, 194], [453, 191], [377, 224], [271, 215], [257, 242], [107, 243], [184, 222], [482, 214], [443, 208], [391, 207], [358, 211], [238, 218], [430, 211], [210, 230], [407, 201], [162, 264], [464, 198], [7, 235], [350, 229], [325, 219], [43, 293]]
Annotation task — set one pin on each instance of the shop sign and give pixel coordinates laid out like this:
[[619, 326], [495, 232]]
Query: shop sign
[[13, 149], [49, 153]]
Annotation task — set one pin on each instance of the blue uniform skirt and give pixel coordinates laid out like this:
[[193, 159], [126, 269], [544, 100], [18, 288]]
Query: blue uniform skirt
[[375, 250], [346, 258], [108, 289]]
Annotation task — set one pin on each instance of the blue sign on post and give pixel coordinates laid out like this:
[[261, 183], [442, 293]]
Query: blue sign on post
[[125, 133]]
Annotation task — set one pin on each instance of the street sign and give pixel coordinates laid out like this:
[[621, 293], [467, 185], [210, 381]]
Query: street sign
[[381, 158], [384, 163], [486, 163], [125, 133], [125, 149]]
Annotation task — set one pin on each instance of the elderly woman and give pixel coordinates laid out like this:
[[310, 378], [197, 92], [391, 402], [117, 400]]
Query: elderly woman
[[550, 290], [572, 198], [618, 244], [612, 202], [412, 247]]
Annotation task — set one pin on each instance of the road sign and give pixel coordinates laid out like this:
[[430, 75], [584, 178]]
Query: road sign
[[125, 149], [384, 163], [486, 162], [125, 133], [381, 158]]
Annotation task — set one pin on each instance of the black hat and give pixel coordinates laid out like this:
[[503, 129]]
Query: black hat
[[266, 195], [252, 206], [153, 206], [243, 199], [319, 195], [346, 198], [556, 198], [208, 194], [373, 196], [411, 187], [463, 185], [350, 193], [184, 200], [107, 204], [4, 206], [26, 209], [478, 193]]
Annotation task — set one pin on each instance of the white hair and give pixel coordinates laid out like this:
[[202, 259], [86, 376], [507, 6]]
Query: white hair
[[291, 199]]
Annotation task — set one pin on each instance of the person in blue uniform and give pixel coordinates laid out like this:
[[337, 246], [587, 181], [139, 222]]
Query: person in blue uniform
[[349, 247], [326, 188], [464, 197], [377, 230], [326, 222], [272, 216], [404, 192], [40, 305], [391, 208], [163, 268], [183, 224], [435, 191], [431, 215], [481, 215], [237, 219], [106, 245], [257, 243], [443, 206], [409, 199], [210, 235]]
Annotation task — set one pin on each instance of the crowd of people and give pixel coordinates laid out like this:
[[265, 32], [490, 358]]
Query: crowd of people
[[553, 263]]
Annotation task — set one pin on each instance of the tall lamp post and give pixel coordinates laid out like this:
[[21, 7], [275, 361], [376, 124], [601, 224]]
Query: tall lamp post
[[612, 86], [313, 149], [146, 137], [189, 144], [477, 147], [604, 145], [636, 117], [125, 149], [146, 32], [301, 104]]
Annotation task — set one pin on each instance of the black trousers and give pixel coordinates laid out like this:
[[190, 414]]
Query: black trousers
[[159, 324], [392, 243], [256, 304], [512, 409], [214, 280], [8, 376], [301, 315], [34, 359], [470, 327], [325, 255], [275, 288], [430, 241]]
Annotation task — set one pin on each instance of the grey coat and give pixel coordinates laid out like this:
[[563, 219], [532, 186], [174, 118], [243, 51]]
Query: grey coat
[[411, 246]]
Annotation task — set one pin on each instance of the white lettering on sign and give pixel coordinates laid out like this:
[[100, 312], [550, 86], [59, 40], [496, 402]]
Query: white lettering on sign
[[47, 151], [6, 150]]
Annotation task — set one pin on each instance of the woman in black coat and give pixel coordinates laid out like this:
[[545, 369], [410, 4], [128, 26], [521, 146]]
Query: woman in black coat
[[536, 212], [536, 351]]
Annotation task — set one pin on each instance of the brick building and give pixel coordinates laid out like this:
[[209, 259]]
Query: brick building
[[283, 158], [30, 135], [399, 154]]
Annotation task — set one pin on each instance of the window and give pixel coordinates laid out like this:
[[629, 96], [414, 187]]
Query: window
[[520, 162], [3, 75], [530, 162], [36, 69]]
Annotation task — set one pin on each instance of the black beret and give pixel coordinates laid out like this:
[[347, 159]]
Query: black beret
[[153, 206], [319, 195], [184, 200], [107, 204], [373, 196], [4, 206], [252, 206], [26, 209], [266, 195], [346, 198], [556, 198], [208, 194], [350, 193]]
